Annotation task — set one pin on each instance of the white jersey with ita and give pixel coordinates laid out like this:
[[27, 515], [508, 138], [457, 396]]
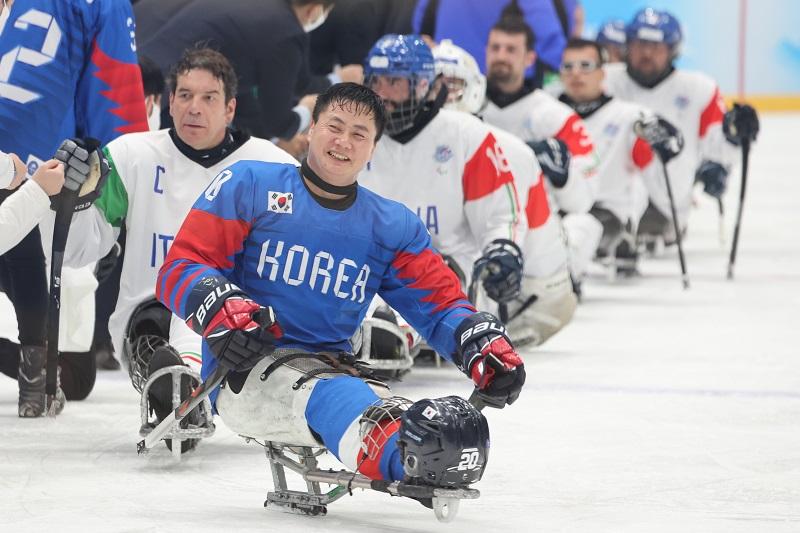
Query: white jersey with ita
[[538, 116], [626, 161], [544, 249], [691, 101], [456, 178], [151, 188]]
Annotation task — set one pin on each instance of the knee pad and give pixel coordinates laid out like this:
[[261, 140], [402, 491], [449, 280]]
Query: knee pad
[[544, 307], [272, 404]]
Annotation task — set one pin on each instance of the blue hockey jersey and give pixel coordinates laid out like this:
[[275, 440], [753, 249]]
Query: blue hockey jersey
[[67, 68], [259, 227]]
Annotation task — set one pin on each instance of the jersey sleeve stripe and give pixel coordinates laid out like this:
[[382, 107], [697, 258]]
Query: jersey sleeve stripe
[[713, 113], [641, 154], [486, 171], [180, 293], [124, 81], [441, 285], [574, 135], [538, 208]]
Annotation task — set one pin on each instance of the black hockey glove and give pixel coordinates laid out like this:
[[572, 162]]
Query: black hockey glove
[[239, 331], [500, 268], [85, 171], [663, 137], [714, 178], [486, 355], [554, 158], [105, 266], [740, 122]]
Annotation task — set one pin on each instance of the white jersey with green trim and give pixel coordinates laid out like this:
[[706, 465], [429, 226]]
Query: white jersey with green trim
[[544, 249], [454, 175], [152, 188]]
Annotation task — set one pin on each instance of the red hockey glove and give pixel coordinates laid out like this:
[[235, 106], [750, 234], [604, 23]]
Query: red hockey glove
[[239, 331], [486, 355]]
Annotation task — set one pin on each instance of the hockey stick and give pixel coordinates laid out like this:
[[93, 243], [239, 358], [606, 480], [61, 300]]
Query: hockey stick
[[476, 400], [734, 246], [60, 233], [678, 239], [721, 221], [195, 398]]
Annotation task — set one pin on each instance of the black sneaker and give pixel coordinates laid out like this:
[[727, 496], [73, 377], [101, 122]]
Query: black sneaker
[[160, 393]]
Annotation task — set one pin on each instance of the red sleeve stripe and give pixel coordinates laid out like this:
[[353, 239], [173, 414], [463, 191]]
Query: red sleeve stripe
[[573, 133], [713, 113], [538, 208], [641, 154], [124, 81], [209, 240], [177, 294], [486, 171], [430, 274]]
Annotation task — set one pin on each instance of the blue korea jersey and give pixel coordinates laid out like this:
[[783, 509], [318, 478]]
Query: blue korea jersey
[[258, 227]]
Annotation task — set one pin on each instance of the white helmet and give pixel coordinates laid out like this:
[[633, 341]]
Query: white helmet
[[454, 62]]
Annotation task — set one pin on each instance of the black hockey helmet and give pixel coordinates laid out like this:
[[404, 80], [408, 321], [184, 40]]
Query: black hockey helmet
[[444, 441], [381, 341], [148, 329]]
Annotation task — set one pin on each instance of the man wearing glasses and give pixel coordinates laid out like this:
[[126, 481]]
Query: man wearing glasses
[[624, 157], [552, 129]]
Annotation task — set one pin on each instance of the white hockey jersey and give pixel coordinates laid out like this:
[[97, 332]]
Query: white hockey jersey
[[455, 176], [626, 160], [538, 116], [543, 245], [152, 187], [691, 101]]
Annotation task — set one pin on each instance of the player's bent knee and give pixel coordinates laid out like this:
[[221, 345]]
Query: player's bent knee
[[283, 401]]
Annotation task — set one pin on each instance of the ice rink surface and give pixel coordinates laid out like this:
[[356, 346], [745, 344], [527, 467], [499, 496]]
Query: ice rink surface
[[657, 409]]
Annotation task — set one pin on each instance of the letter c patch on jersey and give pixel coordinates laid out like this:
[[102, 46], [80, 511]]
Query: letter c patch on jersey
[[280, 202]]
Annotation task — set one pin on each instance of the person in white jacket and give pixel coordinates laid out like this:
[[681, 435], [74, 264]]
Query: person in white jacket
[[22, 211]]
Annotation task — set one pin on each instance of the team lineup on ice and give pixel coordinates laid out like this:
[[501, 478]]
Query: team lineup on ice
[[551, 303]]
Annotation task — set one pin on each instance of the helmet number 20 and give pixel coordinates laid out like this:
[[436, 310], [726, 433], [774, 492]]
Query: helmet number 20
[[469, 459], [35, 58]]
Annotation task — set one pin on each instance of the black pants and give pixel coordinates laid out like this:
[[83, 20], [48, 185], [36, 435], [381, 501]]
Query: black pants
[[24, 280], [105, 298]]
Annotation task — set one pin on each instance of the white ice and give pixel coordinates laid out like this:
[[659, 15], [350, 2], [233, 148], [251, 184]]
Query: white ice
[[657, 409]]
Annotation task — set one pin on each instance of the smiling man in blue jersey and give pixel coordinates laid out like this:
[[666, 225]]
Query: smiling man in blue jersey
[[275, 267]]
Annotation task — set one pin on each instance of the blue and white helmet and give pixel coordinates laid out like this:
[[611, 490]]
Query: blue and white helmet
[[402, 56], [612, 32], [655, 26]]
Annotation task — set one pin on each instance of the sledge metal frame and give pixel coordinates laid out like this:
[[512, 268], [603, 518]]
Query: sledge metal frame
[[177, 433], [313, 501]]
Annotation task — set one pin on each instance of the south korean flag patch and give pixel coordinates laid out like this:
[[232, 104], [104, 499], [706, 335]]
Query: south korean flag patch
[[280, 202]]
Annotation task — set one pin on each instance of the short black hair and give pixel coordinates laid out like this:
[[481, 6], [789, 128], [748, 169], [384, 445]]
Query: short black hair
[[576, 43], [356, 98], [203, 58], [512, 20], [152, 77]]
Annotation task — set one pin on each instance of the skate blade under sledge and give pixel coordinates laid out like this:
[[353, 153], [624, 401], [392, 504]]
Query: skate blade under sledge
[[313, 502]]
